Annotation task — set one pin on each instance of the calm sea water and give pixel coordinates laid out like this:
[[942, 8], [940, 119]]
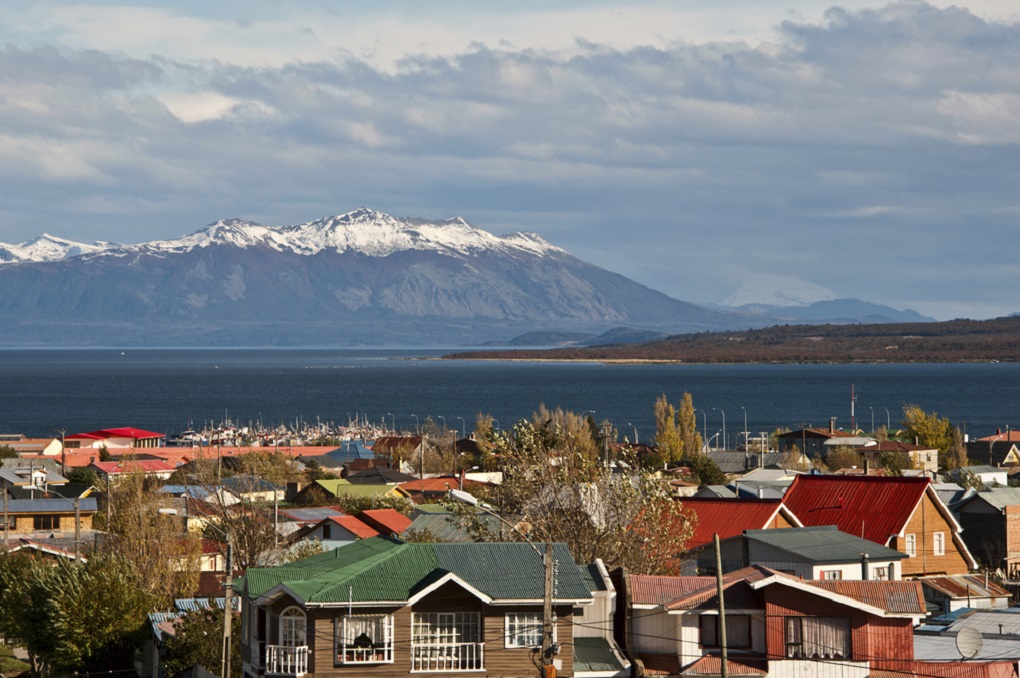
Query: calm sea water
[[169, 390]]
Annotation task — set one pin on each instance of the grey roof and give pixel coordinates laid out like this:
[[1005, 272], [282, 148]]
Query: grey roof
[[992, 622], [21, 474], [929, 648], [720, 491], [595, 655], [248, 483], [446, 527], [980, 468], [741, 462], [760, 489], [311, 514], [823, 544], [56, 505], [194, 491], [997, 497], [949, 493], [593, 577]]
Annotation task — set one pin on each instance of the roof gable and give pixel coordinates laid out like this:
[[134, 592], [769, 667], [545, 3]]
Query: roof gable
[[874, 508]]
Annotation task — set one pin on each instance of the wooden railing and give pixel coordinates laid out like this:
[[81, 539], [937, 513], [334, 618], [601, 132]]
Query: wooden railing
[[282, 660]]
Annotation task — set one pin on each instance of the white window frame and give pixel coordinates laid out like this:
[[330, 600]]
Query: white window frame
[[448, 642], [939, 543], [880, 573], [345, 650], [831, 575], [527, 626], [293, 627], [910, 545]]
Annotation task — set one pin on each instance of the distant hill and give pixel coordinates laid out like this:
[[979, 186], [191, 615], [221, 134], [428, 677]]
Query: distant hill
[[995, 340]]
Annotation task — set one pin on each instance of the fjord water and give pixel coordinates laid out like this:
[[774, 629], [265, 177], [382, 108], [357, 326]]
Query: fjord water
[[169, 390]]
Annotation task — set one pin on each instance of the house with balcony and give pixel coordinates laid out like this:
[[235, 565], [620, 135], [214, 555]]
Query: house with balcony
[[383, 607], [775, 624]]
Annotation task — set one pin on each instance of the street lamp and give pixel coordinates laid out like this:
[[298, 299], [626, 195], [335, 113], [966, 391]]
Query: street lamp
[[417, 427], [393, 423], [636, 442], [872, 419], [463, 428], [887, 424], [704, 426], [444, 422], [745, 427], [723, 426], [495, 423], [547, 562]]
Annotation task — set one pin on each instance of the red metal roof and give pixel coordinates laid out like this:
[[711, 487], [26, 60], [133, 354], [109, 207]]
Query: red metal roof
[[124, 432], [872, 508], [647, 589], [711, 665], [728, 517], [389, 520], [354, 526], [904, 597]]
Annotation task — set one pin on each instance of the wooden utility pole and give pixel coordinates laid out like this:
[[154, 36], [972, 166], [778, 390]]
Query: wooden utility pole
[[228, 609], [724, 667], [547, 613]]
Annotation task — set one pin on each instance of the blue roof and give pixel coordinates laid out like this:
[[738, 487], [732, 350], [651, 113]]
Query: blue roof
[[56, 505], [349, 451], [192, 491]]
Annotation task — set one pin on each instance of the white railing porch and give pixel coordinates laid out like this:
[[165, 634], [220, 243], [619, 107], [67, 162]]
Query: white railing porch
[[448, 657], [282, 660]]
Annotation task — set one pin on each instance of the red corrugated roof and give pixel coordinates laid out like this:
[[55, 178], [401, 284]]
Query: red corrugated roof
[[134, 466], [124, 432], [711, 665], [354, 526], [872, 508], [390, 520], [904, 597], [728, 517], [647, 589]]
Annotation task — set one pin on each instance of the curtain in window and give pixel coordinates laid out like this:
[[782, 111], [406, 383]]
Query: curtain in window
[[818, 637]]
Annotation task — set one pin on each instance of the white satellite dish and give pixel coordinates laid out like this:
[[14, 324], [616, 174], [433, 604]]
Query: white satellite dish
[[968, 642]]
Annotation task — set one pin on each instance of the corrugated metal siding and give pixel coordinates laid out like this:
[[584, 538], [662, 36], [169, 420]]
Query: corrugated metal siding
[[728, 517], [656, 590], [891, 596]]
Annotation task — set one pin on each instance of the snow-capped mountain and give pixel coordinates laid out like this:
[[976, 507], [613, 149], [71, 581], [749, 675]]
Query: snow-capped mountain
[[46, 248], [359, 278]]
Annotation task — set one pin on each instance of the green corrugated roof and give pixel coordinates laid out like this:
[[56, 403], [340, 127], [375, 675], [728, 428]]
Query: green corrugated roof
[[383, 569], [595, 655]]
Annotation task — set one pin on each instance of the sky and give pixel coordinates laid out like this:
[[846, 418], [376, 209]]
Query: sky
[[730, 151]]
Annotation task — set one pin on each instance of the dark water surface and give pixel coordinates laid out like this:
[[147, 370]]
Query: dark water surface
[[168, 390]]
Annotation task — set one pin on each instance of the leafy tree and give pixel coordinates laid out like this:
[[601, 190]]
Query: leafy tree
[[668, 438], [894, 462], [562, 493], [161, 551], [314, 496], [687, 425], [843, 457], [704, 471], [8, 452], [198, 639], [301, 550], [351, 504], [104, 454], [928, 429], [83, 476]]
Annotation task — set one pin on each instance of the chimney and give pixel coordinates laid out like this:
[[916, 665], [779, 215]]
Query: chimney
[[864, 567], [761, 492]]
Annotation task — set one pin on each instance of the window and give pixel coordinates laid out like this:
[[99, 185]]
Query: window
[[292, 627], [818, 638], [41, 523], [880, 573], [738, 630], [364, 639], [446, 641], [832, 575], [524, 629], [939, 541], [910, 545]]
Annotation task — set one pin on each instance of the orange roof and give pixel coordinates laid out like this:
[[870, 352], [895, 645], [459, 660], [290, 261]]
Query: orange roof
[[891, 596], [437, 484], [387, 521], [731, 516], [873, 508], [1008, 436], [354, 526]]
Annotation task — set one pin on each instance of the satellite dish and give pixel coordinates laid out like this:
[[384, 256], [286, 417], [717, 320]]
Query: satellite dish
[[968, 642]]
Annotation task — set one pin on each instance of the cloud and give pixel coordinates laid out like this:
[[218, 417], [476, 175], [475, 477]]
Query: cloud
[[880, 138]]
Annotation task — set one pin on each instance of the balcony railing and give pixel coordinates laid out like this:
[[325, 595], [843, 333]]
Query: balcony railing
[[283, 660], [448, 657]]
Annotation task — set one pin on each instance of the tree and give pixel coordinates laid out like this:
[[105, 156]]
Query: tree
[[928, 429], [843, 457], [8, 452], [667, 432], [83, 475], [155, 542], [198, 639], [687, 425], [894, 462], [301, 550], [956, 457], [561, 493]]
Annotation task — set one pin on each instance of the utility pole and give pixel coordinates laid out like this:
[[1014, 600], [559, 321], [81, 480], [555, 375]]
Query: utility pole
[[547, 611], [7, 527], [724, 671], [227, 608]]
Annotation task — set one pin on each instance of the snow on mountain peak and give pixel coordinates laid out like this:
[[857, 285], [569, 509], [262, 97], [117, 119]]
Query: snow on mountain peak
[[777, 290], [363, 230]]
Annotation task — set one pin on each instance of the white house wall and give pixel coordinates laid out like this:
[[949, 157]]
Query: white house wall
[[801, 668], [654, 631]]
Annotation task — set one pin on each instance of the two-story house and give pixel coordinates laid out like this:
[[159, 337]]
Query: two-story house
[[776, 624], [903, 514], [383, 607]]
